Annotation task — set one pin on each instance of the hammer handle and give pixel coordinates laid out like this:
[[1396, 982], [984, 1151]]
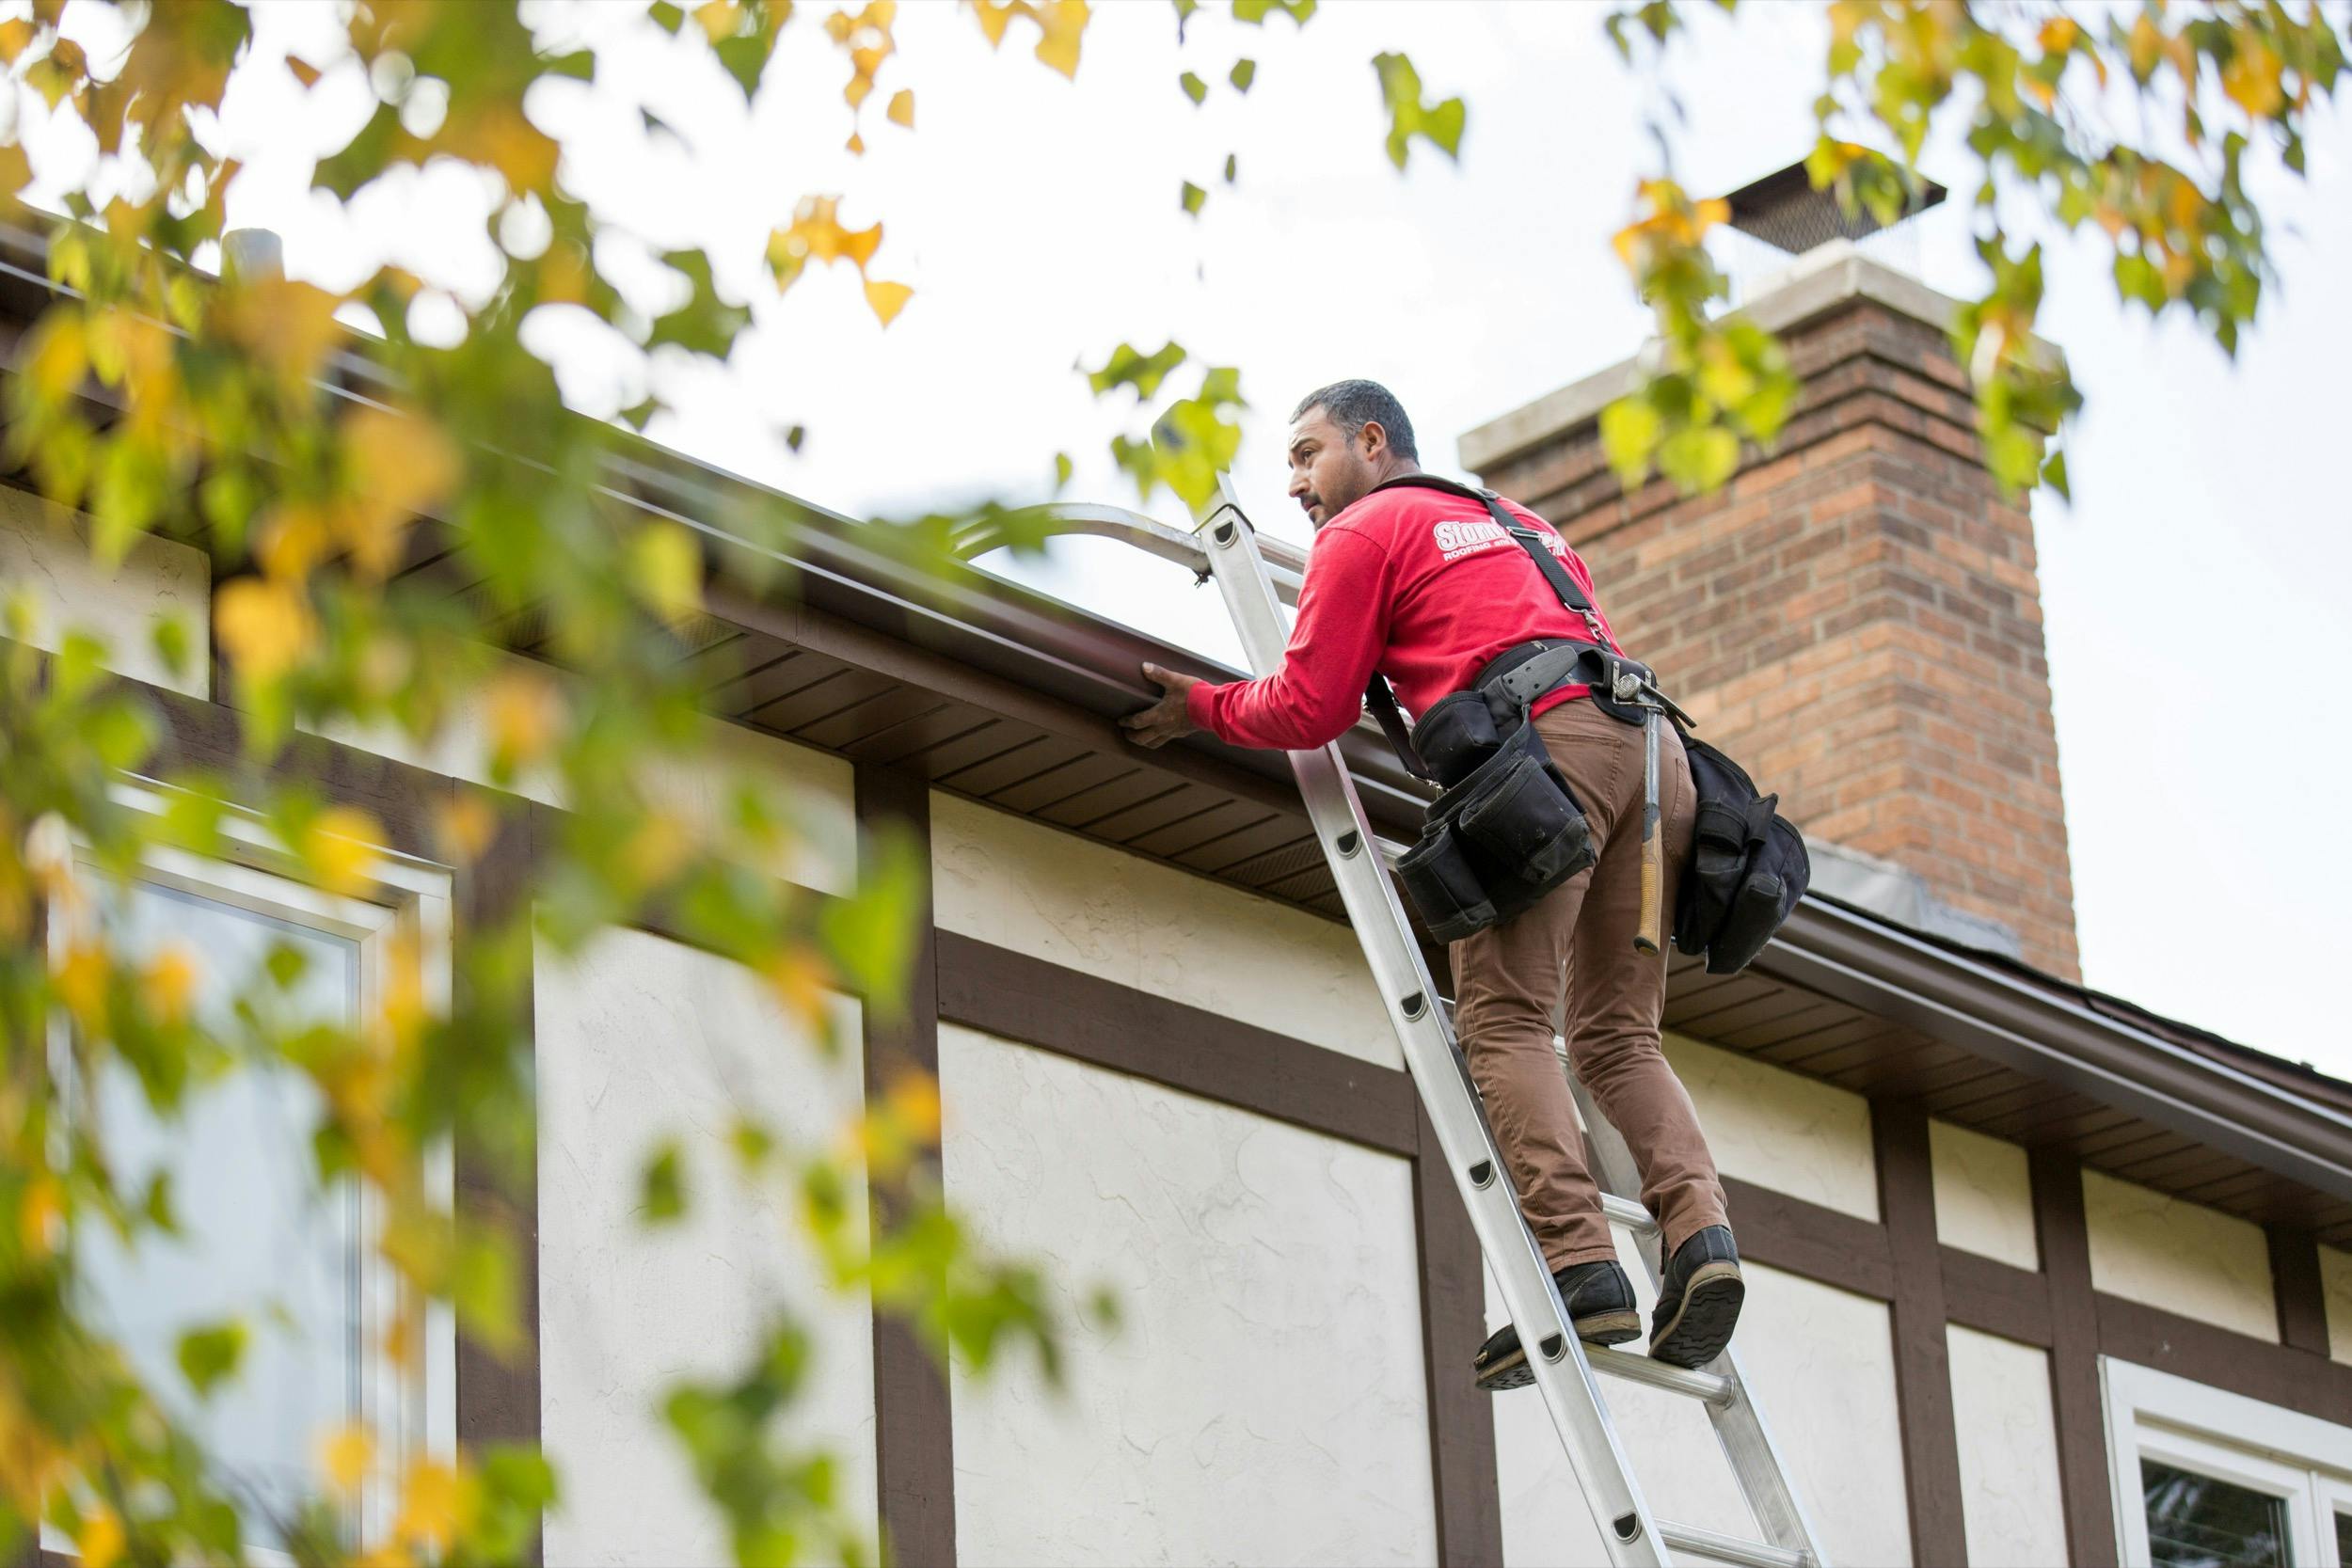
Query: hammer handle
[[1650, 937]]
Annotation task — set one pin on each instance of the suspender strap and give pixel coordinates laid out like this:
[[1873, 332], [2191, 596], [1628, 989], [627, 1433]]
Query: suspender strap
[[1382, 701]]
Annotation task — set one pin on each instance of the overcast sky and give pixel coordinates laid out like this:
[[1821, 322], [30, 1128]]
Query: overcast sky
[[2197, 644]]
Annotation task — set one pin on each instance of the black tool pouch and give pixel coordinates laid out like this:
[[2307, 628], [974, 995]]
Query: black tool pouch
[[1509, 833], [1457, 733], [1748, 866]]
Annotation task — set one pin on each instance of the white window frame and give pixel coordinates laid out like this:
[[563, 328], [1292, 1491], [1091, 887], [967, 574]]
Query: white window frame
[[398, 897], [2303, 1461]]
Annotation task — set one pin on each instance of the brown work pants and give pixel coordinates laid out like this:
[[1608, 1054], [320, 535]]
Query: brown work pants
[[1510, 981]]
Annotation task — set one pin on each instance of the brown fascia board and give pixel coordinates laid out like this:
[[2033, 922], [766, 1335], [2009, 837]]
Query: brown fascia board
[[1089, 662]]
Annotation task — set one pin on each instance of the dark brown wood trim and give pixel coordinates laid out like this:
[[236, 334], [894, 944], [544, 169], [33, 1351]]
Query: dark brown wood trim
[[1453, 1321], [1092, 1020], [2000, 1298], [498, 1395], [2301, 1294], [405, 799], [1923, 1373], [1810, 1239], [914, 1426], [2086, 1498], [2276, 1374]]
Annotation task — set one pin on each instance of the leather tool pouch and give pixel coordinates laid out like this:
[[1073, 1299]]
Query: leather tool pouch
[[1506, 834]]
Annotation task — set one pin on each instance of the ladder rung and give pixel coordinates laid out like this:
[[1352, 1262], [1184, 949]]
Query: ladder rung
[[1717, 1548], [1704, 1386], [1625, 1212]]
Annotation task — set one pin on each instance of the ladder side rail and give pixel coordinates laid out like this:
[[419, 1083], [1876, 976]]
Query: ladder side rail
[[1626, 1529], [1756, 1462]]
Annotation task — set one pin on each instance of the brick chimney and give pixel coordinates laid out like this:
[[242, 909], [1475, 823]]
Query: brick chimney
[[1856, 617]]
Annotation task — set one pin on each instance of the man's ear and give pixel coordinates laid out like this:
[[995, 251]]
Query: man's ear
[[1375, 437]]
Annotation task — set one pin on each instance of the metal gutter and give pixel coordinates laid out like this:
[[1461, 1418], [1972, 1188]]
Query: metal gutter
[[2007, 1020]]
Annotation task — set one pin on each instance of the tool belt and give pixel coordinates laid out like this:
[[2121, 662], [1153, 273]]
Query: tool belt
[[1507, 829]]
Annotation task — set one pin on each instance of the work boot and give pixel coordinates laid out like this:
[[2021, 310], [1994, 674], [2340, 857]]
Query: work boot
[[1600, 1299], [1698, 1301]]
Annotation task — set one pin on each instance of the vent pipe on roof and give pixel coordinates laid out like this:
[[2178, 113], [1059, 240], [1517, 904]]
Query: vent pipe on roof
[[253, 254]]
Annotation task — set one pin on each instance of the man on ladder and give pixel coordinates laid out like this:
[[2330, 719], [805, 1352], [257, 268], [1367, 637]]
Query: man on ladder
[[1415, 584]]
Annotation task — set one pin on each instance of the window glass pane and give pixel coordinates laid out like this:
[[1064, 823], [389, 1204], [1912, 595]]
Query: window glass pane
[[2343, 1538], [2197, 1522], [258, 1243]]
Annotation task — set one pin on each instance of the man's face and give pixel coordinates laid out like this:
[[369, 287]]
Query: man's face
[[1328, 472]]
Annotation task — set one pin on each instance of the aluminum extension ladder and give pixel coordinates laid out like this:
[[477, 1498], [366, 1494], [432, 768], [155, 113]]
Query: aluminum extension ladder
[[1225, 546]]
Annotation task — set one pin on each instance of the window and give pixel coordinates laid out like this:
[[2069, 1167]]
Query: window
[[260, 1243], [2207, 1478]]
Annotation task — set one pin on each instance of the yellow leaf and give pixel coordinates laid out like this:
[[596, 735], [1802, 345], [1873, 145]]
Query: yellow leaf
[[101, 1540], [401, 465], [81, 978], [2059, 34], [887, 300], [718, 19], [658, 848], [40, 1216], [913, 1099], [524, 713], [1061, 24], [2251, 79], [855, 145], [59, 355], [902, 107], [169, 983], [287, 327], [466, 826], [995, 16], [800, 979], [666, 569], [436, 1505], [345, 1454], [337, 846], [265, 626]]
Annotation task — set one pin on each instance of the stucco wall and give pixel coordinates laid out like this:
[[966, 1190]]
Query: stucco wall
[[2335, 1281], [2008, 1432], [2182, 1257], [45, 554], [1984, 1196], [1057, 896], [1769, 1126], [1263, 1398], [1821, 1361], [813, 791], [643, 1038]]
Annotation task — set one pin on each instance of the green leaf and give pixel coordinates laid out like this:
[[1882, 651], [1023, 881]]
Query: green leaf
[[1254, 13], [666, 16], [871, 934], [1440, 124], [207, 1355], [1063, 468], [1243, 72], [662, 1191], [1699, 457], [1630, 433], [1192, 196], [1194, 88], [1230, 168], [744, 58], [1128, 368]]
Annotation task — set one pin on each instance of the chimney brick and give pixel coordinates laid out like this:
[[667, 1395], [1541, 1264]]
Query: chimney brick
[[1856, 616]]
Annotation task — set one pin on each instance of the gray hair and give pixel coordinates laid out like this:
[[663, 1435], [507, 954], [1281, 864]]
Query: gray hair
[[1354, 404]]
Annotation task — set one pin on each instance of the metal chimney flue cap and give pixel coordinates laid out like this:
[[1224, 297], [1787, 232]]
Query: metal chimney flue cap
[[252, 254], [1786, 212]]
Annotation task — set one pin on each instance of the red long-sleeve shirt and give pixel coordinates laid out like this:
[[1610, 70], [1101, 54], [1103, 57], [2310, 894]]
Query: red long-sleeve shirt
[[1421, 585]]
